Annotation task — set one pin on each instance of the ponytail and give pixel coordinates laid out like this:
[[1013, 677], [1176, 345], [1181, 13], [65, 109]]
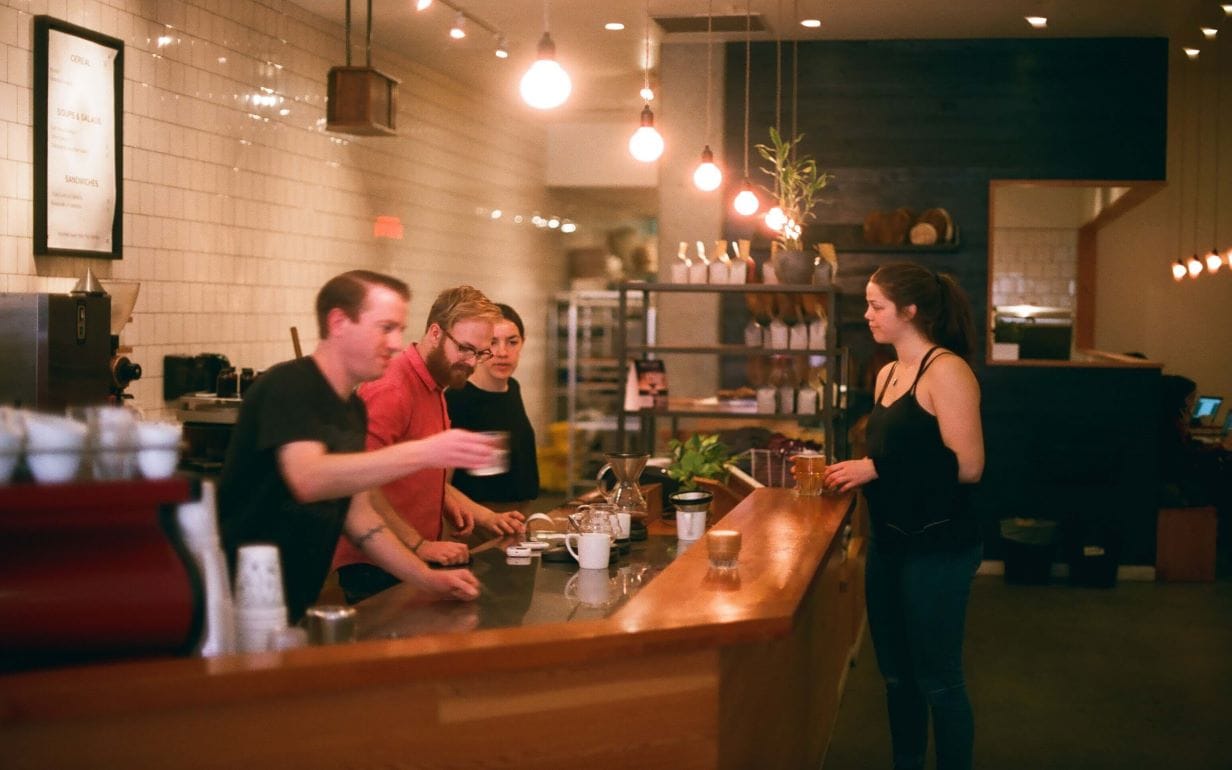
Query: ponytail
[[954, 329], [943, 312]]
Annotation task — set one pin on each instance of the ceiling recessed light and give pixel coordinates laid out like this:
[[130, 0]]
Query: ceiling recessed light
[[1192, 52], [614, 26], [1037, 22], [810, 23], [1209, 32]]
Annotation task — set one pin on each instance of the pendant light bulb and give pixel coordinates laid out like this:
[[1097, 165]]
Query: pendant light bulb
[[707, 176], [502, 48], [546, 85], [775, 219], [1213, 261], [1195, 266], [1179, 271], [646, 144], [746, 202], [458, 30]]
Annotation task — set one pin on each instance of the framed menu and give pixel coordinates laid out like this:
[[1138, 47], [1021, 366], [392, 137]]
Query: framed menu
[[78, 141]]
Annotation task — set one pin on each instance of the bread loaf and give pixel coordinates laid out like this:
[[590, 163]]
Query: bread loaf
[[923, 234]]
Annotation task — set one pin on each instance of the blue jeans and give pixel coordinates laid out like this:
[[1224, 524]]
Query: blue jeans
[[917, 606]]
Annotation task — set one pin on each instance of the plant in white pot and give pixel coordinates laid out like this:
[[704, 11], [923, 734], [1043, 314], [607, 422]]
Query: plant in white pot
[[797, 181]]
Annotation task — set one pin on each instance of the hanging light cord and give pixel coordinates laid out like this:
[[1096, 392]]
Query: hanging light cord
[[709, 62], [1180, 186], [748, 24], [646, 60], [347, 29], [1218, 102], [795, 78], [1197, 163], [778, 75]]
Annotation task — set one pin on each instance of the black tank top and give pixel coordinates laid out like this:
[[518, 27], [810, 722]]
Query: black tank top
[[916, 502]]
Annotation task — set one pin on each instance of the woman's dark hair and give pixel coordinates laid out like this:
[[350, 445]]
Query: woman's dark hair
[[943, 313], [1174, 393], [511, 315]]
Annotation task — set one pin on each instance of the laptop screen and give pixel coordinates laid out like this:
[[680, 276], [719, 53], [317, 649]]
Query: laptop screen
[[1205, 408]]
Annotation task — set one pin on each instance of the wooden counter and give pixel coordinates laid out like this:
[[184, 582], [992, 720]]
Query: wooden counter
[[1082, 357], [698, 670]]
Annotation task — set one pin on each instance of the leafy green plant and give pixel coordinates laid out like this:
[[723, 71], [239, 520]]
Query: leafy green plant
[[701, 456], [797, 181]]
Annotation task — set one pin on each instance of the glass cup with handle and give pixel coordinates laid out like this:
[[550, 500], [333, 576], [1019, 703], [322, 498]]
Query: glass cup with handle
[[809, 470]]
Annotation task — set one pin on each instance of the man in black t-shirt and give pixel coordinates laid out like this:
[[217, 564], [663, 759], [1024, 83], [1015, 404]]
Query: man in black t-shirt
[[296, 458]]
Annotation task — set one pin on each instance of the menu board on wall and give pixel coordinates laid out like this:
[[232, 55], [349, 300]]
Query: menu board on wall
[[78, 169]]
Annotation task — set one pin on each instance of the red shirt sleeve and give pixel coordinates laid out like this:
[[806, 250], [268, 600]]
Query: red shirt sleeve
[[389, 413]]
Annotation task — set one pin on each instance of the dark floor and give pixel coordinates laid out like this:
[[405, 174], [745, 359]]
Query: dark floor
[[1137, 676]]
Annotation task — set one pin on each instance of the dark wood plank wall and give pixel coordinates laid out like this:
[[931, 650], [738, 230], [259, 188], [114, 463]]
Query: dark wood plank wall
[[929, 123]]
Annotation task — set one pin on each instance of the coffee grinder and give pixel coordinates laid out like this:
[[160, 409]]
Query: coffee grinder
[[63, 350], [123, 370]]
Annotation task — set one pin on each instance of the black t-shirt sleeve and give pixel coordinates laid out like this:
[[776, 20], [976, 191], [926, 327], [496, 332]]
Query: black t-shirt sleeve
[[289, 410]]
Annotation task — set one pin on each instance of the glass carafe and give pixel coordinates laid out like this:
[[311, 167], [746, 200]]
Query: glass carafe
[[597, 517], [625, 494]]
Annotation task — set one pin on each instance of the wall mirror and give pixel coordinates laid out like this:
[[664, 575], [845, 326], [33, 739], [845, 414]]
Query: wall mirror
[[1043, 253]]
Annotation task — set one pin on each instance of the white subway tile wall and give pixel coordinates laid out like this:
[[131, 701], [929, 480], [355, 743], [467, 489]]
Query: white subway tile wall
[[237, 209], [1034, 266]]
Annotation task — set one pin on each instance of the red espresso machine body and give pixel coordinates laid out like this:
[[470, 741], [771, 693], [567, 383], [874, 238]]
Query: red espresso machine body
[[95, 570]]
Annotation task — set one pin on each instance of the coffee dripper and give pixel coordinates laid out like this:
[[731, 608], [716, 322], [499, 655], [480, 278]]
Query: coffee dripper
[[626, 493]]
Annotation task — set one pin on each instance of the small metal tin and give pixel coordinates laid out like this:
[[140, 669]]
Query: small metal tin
[[330, 624]]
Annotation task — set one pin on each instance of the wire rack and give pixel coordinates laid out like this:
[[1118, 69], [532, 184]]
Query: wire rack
[[771, 467]]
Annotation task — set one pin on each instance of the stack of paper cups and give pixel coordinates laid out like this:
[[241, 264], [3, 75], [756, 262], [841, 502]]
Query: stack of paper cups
[[260, 606]]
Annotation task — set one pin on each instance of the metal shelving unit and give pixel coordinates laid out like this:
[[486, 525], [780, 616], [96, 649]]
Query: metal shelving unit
[[832, 407], [588, 378]]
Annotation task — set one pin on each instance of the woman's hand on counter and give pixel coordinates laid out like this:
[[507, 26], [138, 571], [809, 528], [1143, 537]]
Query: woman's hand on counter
[[849, 474], [510, 523], [443, 552]]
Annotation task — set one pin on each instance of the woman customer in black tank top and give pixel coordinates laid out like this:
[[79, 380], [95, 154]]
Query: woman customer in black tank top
[[925, 450]]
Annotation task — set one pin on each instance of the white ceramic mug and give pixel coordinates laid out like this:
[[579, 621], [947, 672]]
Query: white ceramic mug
[[593, 548]]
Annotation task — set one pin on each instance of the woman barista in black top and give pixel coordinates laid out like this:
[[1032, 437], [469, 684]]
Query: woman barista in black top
[[925, 449], [491, 400]]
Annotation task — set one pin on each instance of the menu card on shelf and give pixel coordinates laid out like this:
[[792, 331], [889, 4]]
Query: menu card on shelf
[[646, 387]]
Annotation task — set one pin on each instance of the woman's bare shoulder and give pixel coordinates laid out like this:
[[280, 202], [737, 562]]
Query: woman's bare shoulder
[[949, 368]]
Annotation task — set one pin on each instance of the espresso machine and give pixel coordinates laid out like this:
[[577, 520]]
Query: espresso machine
[[63, 349]]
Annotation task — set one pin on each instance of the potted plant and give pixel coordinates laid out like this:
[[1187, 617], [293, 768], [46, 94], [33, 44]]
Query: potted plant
[[698, 457], [699, 464], [797, 181]]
